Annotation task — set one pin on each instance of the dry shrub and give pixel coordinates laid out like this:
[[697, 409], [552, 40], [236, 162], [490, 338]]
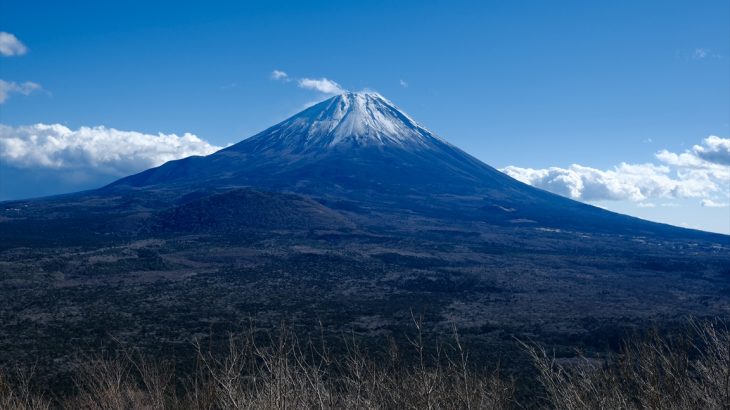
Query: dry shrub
[[16, 392], [124, 381], [686, 372], [286, 373]]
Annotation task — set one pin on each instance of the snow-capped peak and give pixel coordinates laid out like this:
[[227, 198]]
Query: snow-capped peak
[[353, 118]]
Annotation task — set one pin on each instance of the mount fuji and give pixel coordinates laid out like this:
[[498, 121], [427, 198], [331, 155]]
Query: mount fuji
[[360, 151], [354, 157]]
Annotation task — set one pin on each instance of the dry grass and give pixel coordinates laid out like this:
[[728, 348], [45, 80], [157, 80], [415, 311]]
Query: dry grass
[[277, 371]]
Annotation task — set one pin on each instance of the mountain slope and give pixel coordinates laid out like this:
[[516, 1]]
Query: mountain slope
[[245, 209]]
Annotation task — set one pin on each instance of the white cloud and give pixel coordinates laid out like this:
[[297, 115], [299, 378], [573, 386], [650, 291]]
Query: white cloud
[[696, 173], [8, 87], [708, 160], [279, 75], [403, 84], [322, 85], [714, 149], [709, 203], [11, 46], [96, 150]]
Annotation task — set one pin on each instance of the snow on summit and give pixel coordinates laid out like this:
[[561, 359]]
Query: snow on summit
[[348, 119]]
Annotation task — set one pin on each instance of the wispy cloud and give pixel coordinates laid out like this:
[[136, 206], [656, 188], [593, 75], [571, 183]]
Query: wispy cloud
[[280, 75], [7, 88], [403, 84], [700, 172], [93, 150], [709, 203], [703, 53], [11, 46], [322, 85], [700, 53]]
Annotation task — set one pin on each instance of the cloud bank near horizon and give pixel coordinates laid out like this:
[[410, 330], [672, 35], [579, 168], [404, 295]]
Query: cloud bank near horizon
[[93, 150], [701, 172]]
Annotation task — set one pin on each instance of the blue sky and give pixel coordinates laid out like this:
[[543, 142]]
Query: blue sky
[[522, 83]]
